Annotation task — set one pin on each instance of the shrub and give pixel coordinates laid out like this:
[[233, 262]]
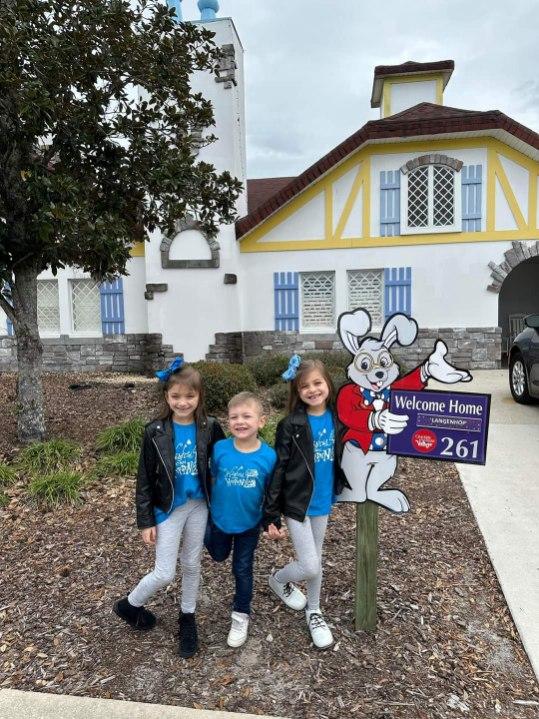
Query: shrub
[[267, 369], [278, 395], [51, 456], [338, 377], [121, 464], [339, 359], [52, 490], [267, 433], [223, 381], [7, 475], [125, 437]]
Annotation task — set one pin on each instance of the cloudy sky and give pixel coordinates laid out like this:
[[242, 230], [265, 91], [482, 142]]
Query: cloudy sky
[[309, 65]]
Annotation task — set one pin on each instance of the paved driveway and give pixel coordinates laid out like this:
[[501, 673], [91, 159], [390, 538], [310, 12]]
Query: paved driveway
[[504, 496]]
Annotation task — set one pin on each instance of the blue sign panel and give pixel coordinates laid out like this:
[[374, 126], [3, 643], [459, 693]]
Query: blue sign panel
[[451, 426]]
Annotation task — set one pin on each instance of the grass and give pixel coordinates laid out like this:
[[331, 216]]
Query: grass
[[51, 456], [121, 464], [8, 475], [125, 437], [57, 488], [4, 499]]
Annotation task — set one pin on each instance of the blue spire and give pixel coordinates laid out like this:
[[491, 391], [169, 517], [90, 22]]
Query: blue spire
[[177, 5], [208, 9]]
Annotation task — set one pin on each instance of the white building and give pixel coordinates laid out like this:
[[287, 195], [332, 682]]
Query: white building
[[429, 210]]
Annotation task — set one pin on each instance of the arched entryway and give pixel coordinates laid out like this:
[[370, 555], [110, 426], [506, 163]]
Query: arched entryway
[[516, 280]]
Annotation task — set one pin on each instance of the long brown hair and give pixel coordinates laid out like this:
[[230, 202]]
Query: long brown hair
[[307, 366], [191, 378]]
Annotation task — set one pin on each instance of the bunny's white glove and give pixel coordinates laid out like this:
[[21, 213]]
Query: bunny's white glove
[[388, 422], [436, 367]]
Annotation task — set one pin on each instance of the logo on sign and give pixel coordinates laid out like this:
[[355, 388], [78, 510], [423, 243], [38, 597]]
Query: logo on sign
[[424, 440]]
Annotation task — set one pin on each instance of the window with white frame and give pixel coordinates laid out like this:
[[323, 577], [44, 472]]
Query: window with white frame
[[430, 200], [48, 308], [317, 300], [366, 289], [85, 306]]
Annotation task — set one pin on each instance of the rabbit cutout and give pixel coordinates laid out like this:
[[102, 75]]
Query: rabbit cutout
[[363, 404]]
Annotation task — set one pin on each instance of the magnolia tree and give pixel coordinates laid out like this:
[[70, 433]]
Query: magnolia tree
[[98, 129]]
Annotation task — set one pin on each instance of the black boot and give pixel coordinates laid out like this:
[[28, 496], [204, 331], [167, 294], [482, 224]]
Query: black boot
[[137, 617], [188, 635]]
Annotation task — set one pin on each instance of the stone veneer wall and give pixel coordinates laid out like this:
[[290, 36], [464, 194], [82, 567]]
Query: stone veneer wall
[[115, 353], [469, 347]]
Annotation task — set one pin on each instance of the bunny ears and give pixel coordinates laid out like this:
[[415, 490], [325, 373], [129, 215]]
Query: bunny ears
[[291, 371], [175, 366]]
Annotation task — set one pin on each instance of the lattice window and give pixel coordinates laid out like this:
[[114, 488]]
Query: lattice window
[[85, 302], [317, 299], [366, 289], [443, 196], [48, 309], [431, 203], [418, 198]]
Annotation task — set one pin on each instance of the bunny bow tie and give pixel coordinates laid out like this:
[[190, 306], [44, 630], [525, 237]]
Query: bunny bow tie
[[369, 396]]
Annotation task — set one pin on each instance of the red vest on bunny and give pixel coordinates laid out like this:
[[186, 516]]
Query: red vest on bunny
[[354, 412]]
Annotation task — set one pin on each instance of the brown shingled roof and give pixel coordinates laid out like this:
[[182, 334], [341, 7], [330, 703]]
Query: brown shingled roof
[[410, 66], [445, 67], [423, 119], [258, 190]]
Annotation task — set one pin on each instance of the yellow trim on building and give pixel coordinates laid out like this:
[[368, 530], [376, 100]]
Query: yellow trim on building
[[508, 192], [362, 160], [138, 249], [426, 77], [532, 201], [359, 182]]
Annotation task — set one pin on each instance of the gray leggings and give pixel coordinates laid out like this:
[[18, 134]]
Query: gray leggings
[[307, 538], [188, 520]]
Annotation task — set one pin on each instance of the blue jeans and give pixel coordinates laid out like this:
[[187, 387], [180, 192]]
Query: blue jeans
[[219, 544]]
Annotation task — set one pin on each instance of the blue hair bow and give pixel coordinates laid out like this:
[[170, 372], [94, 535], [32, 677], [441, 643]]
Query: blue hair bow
[[291, 371], [164, 374]]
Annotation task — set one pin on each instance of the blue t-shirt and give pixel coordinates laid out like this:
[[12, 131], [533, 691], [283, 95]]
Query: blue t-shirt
[[323, 433], [186, 484], [239, 483]]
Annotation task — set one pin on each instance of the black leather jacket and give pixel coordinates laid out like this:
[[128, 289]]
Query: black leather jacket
[[290, 489], [155, 478]]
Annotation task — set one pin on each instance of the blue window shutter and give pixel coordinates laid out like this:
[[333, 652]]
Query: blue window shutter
[[286, 294], [10, 330], [397, 290], [472, 180], [112, 307], [390, 203]]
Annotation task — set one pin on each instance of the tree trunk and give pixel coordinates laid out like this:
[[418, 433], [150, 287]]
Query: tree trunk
[[30, 413]]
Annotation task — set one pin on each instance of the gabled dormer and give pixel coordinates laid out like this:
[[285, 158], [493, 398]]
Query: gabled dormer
[[397, 87]]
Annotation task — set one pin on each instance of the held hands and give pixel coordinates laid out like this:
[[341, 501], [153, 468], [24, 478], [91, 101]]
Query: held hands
[[149, 535], [436, 367], [274, 533], [388, 422]]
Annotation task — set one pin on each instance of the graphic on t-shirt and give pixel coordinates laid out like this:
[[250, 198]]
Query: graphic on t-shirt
[[324, 445], [238, 476], [186, 458]]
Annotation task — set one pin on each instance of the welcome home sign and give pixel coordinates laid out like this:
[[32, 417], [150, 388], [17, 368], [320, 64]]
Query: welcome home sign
[[451, 426]]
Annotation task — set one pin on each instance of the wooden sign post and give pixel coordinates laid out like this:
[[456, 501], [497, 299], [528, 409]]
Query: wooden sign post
[[366, 565]]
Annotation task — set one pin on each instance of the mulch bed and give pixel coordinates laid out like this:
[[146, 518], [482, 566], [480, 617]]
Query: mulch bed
[[445, 646]]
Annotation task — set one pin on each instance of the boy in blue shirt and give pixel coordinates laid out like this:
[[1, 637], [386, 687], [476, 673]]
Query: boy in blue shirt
[[241, 467]]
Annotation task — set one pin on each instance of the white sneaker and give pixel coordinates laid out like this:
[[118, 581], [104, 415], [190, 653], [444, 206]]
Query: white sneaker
[[289, 593], [320, 632], [238, 630]]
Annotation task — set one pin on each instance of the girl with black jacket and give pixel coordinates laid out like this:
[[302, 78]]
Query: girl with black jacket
[[172, 498], [306, 479]]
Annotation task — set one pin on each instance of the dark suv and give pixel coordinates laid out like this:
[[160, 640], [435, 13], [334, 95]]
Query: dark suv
[[524, 363]]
